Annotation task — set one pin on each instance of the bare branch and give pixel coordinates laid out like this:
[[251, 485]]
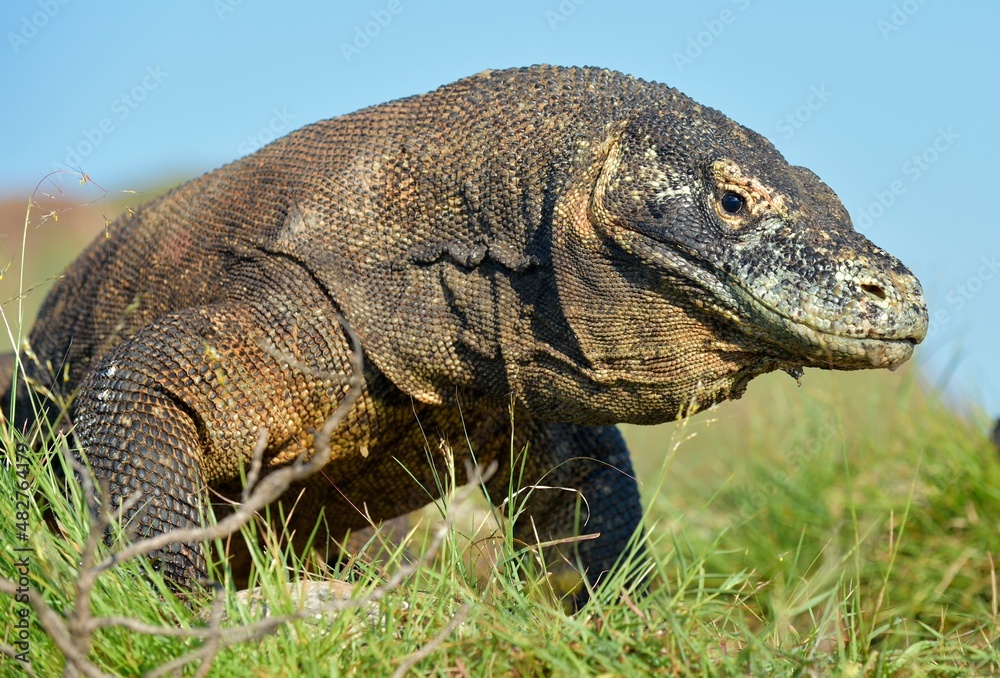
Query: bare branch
[[79, 620], [207, 652], [256, 463], [429, 647], [73, 633], [11, 652], [57, 629], [218, 638]]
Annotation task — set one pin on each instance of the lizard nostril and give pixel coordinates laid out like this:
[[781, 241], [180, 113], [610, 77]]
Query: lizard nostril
[[874, 291]]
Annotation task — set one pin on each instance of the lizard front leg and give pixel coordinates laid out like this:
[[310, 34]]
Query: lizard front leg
[[141, 438], [177, 407], [575, 481]]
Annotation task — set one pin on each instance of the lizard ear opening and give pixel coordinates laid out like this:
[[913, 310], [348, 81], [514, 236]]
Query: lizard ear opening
[[604, 209]]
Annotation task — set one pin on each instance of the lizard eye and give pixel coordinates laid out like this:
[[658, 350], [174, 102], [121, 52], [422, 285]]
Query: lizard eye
[[733, 202]]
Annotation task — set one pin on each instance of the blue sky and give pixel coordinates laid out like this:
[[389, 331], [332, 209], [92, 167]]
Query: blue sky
[[893, 103]]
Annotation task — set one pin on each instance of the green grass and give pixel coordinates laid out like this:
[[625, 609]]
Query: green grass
[[848, 527]]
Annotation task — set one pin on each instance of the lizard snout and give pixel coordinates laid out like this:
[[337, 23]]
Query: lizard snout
[[896, 299], [893, 315]]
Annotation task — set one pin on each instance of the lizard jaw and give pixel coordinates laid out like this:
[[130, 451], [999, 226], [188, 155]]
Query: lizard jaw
[[797, 342], [818, 348], [847, 353]]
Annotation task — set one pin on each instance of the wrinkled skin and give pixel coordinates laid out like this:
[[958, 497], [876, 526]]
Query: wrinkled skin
[[595, 248]]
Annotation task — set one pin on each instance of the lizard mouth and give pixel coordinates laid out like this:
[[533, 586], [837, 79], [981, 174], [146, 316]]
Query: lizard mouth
[[815, 347], [796, 342], [834, 351]]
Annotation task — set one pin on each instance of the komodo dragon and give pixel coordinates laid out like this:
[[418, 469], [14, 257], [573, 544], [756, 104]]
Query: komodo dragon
[[592, 247]]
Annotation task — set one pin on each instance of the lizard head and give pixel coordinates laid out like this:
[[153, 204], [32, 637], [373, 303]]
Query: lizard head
[[733, 262]]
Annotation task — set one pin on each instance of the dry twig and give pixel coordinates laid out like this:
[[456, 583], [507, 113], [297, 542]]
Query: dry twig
[[72, 631]]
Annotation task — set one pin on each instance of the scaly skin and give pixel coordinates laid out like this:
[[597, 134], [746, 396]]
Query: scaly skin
[[597, 248]]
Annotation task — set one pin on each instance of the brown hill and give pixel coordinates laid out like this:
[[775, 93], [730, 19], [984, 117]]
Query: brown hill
[[52, 226]]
